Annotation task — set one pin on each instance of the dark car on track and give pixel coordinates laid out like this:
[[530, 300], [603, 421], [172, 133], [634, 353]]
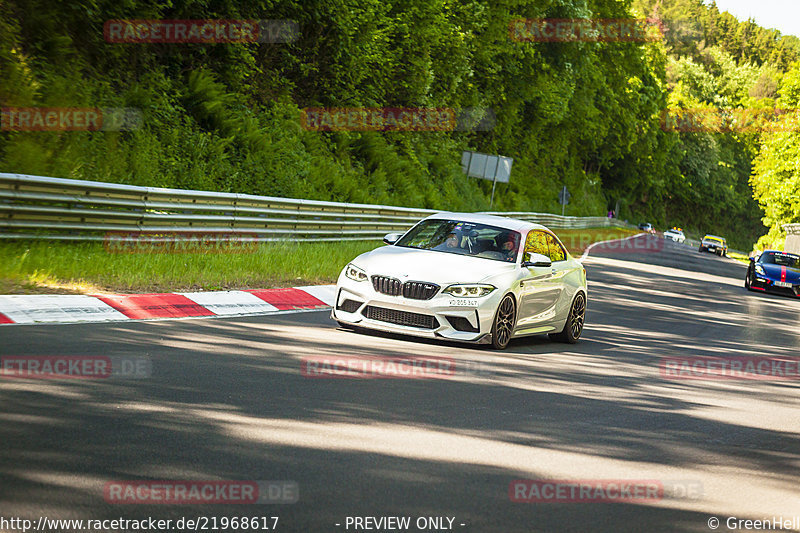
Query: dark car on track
[[774, 271], [714, 244]]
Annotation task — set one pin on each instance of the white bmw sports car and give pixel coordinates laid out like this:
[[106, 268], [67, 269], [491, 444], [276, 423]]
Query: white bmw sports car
[[466, 277]]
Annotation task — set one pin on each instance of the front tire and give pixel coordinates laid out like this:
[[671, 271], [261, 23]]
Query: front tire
[[504, 320], [574, 326]]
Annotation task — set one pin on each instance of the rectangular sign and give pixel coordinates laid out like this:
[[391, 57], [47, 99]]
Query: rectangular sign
[[488, 167]]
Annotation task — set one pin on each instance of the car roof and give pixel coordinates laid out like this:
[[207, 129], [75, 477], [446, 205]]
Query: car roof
[[709, 236], [779, 252], [489, 220]]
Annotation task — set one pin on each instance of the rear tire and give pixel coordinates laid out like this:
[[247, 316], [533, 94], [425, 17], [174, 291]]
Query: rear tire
[[504, 320], [574, 326]]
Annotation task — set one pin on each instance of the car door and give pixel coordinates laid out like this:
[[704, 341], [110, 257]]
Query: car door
[[562, 268], [540, 288]]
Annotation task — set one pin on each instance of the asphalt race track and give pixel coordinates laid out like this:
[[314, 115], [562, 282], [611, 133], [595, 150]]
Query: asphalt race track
[[226, 400]]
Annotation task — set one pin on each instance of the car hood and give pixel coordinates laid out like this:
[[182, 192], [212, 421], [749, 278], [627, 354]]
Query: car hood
[[774, 272], [442, 268]]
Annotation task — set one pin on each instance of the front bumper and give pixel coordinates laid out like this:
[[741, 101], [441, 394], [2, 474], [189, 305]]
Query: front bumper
[[762, 283], [713, 249], [358, 304]]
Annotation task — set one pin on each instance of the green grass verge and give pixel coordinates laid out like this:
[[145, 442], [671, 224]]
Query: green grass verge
[[739, 257], [38, 267], [56, 267]]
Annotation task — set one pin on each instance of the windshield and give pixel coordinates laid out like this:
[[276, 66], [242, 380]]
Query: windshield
[[463, 238], [713, 240], [788, 260]]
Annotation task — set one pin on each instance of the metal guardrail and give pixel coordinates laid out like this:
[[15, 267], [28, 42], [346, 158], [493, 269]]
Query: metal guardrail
[[35, 207]]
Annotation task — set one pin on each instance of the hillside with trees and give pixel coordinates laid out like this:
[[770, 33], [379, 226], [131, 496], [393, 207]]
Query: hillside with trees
[[588, 115]]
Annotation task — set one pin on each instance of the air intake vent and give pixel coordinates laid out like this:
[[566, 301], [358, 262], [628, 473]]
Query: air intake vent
[[402, 318], [460, 323], [349, 306]]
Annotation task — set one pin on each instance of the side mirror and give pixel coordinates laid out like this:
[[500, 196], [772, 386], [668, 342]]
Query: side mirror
[[536, 260], [391, 238], [752, 259]]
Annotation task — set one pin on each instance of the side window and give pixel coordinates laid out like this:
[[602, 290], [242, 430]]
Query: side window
[[537, 243], [557, 252]]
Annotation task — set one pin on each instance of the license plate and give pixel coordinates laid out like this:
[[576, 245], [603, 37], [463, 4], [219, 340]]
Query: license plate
[[463, 303], [783, 284]]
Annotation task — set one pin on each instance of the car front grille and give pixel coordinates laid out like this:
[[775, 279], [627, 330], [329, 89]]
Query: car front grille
[[413, 290], [386, 285], [419, 290], [401, 318]]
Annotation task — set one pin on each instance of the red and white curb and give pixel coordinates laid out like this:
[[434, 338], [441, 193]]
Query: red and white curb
[[70, 309], [60, 309]]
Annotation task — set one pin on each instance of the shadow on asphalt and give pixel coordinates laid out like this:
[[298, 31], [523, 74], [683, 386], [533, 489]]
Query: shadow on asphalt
[[62, 440]]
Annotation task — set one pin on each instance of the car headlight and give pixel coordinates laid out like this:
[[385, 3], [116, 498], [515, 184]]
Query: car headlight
[[760, 270], [355, 273], [469, 290]]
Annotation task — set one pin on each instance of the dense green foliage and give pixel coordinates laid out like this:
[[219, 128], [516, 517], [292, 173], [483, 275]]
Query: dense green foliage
[[226, 116], [776, 180]]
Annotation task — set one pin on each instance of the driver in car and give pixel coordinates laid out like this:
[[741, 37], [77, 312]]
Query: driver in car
[[452, 241], [509, 247]]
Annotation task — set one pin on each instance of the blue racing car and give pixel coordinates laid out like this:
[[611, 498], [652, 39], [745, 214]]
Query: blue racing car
[[774, 271]]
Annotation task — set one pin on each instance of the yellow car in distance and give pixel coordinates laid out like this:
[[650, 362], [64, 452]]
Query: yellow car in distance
[[714, 244]]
